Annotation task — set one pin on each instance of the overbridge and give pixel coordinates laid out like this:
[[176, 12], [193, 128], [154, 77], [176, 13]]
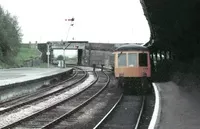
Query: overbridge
[[88, 52]]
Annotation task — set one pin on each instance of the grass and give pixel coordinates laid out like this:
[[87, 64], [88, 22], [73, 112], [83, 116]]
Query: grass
[[25, 54], [3, 65]]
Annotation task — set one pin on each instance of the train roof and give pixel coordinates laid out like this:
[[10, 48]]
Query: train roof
[[132, 48]]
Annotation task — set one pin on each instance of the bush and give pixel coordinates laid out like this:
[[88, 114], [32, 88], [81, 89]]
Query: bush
[[10, 36]]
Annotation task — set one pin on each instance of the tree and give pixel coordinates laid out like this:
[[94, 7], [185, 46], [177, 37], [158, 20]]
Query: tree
[[60, 57], [10, 36]]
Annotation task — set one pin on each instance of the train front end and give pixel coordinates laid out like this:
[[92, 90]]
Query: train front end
[[133, 68]]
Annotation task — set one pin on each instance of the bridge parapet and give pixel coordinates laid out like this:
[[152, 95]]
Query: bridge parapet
[[68, 44]]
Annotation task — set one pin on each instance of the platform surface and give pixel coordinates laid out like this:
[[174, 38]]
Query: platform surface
[[180, 108], [17, 75]]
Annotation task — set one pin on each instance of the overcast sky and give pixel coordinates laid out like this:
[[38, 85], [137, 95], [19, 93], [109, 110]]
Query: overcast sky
[[114, 21]]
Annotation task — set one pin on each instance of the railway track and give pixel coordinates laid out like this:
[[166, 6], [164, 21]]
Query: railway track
[[45, 105], [108, 103], [60, 87], [80, 101], [124, 114], [14, 107], [88, 116]]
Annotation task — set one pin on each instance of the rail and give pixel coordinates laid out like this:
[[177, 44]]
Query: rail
[[49, 125], [47, 108], [106, 116]]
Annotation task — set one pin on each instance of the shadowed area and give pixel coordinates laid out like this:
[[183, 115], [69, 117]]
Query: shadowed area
[[174, 26]]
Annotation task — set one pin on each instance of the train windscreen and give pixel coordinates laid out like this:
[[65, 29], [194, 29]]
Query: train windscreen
[[132, 59], [122, 60], [143, 59]]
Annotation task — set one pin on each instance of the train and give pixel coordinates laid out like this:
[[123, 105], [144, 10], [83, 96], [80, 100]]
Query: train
[[132, 68]]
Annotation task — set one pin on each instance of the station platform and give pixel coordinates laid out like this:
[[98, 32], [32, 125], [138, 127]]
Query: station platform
[[180, 108], [19, 75]]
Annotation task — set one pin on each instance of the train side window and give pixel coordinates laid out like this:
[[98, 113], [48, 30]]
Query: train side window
[[132, 59], [122, 59], [143, 59]]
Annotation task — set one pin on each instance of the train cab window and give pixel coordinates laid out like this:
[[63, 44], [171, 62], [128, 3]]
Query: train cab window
[[143, 59], [122, 59], [132, 59]]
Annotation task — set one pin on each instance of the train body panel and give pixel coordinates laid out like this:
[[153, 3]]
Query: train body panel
[[132, 72]]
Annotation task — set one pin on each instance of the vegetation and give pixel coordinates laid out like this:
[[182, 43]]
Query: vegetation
[[60, 57], [26, 54], [72, 60], [10, 37]]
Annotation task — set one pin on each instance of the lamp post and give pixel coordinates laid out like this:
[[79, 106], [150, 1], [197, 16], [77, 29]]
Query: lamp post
[[64, 56], [64, 47], [48, 53], [63, 43]]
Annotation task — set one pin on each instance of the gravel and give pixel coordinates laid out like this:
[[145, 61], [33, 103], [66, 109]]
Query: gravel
[[147, 112], [125, 115], [91, 114], [13, 117]]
